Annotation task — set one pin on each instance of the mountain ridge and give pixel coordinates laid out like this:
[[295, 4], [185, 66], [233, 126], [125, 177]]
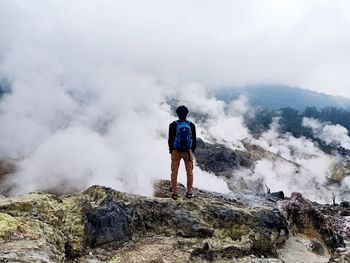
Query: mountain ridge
[[280, 96]]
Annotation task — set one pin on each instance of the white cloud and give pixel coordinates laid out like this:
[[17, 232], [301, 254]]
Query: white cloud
[[329, 133], [305, 168], [214, 43]]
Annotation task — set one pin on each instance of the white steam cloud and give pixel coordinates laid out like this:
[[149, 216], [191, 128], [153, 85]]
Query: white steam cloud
[[302, 168], [67, 135], [90, 81], [329, 133]]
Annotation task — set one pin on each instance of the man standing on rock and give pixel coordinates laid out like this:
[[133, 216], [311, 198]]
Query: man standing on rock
[[182, 145]]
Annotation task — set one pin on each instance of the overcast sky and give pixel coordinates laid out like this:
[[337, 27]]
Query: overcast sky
[[299, 43]]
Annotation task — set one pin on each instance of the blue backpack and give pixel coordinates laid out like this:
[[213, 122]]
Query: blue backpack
[[183, 139]]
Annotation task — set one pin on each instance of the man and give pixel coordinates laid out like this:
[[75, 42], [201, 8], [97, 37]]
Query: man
[[182, 145]]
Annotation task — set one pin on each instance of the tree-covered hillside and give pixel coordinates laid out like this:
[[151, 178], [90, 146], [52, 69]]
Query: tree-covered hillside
[[291, 121], [278, 96]]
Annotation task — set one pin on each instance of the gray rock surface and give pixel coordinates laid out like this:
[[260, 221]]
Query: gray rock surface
[[221, 160], [104, 225]]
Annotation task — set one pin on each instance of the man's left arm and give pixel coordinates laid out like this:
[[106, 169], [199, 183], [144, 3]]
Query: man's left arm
[[194, 137]]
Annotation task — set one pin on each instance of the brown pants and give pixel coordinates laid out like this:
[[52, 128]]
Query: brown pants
[[176, 157]]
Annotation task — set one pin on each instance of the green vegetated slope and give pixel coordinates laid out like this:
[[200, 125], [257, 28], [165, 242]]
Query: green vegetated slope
[[291, 121], [291, 105]]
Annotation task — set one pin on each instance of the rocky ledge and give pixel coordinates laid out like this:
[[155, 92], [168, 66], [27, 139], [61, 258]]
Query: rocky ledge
[[104, 225]]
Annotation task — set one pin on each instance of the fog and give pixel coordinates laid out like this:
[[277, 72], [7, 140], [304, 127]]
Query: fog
[[304, 167], [303, 43], [329, 133], [91, 80]]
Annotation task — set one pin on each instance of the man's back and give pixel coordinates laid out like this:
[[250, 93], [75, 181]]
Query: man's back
[[182, 145], [172, 135]]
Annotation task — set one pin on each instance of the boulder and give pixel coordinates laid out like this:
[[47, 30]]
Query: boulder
[[221, 160], [112, 226]]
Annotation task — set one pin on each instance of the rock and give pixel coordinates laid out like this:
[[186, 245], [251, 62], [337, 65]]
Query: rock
[[343, 258], [313, 220], [278, 195], [105, 225], [341, 250], [299, 248], [317, 247], [345, 204], [23, 239], [221, 160], [339, 171], [345, 213], [275, 196]]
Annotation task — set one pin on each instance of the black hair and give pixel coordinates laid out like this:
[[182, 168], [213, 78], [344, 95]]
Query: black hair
[[182, 112]]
